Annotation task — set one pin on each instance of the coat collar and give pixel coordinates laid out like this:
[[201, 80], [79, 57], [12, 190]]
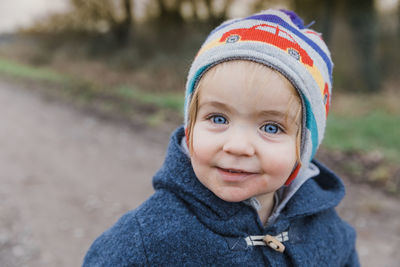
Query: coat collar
[[322, 192]]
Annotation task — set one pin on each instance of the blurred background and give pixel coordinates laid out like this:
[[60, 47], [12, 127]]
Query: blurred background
[[125, 62]]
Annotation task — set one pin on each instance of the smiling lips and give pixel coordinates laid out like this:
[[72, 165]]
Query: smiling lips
[[234, 175]]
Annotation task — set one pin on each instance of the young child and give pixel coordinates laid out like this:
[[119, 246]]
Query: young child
[[239, 185]]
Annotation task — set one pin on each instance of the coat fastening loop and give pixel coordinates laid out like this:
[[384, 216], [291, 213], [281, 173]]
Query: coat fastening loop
[[272, 241]]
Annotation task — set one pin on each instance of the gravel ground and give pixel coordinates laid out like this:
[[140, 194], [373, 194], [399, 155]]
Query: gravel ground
[[67, 175]]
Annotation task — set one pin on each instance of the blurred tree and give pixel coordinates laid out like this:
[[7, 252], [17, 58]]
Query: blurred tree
[[104, 16], [321, 12], [170, 14], [398, 18], [123, 29], [116, 16], [217, 17], [363, 21], [183, 19], [171, 11]]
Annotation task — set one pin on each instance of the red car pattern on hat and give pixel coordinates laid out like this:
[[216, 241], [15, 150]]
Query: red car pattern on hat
[[270, 35]]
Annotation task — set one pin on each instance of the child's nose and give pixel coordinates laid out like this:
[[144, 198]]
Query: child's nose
[[239, 143]]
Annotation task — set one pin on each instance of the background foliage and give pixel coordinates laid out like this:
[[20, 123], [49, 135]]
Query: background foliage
[[354, 29], [131, 57]]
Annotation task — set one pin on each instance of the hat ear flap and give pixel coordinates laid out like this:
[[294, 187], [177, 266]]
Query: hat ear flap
[[294, 174]]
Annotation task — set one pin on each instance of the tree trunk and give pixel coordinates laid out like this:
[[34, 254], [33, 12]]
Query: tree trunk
[[214, 17], [127, 6], [224, 13], [321, 12], [122, 29], [363, 22], [172, 15], [194, 8], [398, 19], [327, 19]]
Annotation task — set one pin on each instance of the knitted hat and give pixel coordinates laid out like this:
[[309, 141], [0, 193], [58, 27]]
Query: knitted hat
[[279, 40]]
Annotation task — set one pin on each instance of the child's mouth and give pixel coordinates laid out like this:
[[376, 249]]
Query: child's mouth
[[234, 175], [234, 171]]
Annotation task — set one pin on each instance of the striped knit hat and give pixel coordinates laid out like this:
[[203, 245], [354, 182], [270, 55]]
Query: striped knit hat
[[277, 39]]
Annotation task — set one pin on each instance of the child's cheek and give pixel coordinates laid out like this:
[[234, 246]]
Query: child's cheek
[[205, 142], [278, 159], [202, 150]]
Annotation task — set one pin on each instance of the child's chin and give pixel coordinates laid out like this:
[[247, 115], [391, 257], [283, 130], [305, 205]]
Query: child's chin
[[231, 196]]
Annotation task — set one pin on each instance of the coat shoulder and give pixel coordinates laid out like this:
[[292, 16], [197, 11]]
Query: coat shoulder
[[121, 245], [324, 238], [159, 218]]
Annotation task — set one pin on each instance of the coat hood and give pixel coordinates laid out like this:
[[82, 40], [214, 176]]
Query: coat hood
[[185, 224]]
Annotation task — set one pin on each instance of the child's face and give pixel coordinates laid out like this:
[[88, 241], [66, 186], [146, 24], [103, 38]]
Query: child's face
[[244, 136]]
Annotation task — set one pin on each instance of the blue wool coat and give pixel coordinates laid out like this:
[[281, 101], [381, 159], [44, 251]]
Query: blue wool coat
[[185, 224]]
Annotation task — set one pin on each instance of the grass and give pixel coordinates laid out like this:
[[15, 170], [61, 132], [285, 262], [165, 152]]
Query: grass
[[89, 89], [24, 71], [172, 101], [365, 123], [375, 131], [357, 122]]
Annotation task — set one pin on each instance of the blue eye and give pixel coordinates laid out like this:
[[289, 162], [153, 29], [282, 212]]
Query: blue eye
[[270, 128], [217, 119]]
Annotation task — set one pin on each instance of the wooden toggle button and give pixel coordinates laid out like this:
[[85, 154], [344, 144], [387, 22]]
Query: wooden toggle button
[[274, 243]]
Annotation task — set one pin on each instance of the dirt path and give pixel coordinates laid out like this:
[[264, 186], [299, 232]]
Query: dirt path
[[66, 176]]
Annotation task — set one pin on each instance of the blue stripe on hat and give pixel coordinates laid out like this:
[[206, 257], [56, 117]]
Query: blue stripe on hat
[[311, 125], [196, 78], [280, 21], [193, 83]]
